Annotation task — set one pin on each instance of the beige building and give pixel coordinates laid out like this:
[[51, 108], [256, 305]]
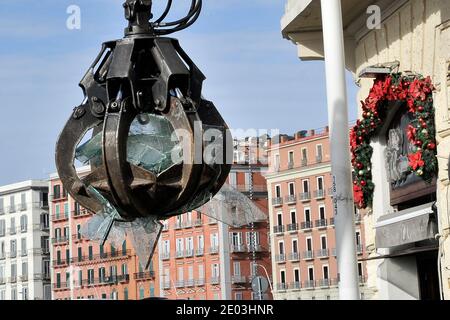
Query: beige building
[[416, 35]]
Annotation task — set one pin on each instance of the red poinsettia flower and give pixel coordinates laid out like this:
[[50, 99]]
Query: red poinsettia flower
[[415, 160], [411, 133]]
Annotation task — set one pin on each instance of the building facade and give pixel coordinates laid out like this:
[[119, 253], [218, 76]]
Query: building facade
[[81, 268], [301, 219], [414, 35], [24, 241], [205, 259]]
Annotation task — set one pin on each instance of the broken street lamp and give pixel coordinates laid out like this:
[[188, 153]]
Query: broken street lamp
[[142, 101]]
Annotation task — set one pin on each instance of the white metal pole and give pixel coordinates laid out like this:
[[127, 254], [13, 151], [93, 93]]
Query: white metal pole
[[333, 40]]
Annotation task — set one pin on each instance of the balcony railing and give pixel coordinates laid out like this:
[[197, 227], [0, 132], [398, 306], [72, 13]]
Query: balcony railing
[[277, 201], [12, 209], [166, 284], [2, 256], [308, 284], [165, 255], [280, 258], [291, 199], [189, 283], [332, 221], [178, 225], [290, 164], [238, 248], [359, 249], [144, 275], [2, 280], [24, 278], [255, 248], [119, 254], [319, 194], [189, 253], [60, 216], [294, 256], [214, 250], [305, 196], [321, 223], [60, 240], [214, 280], [306, 225], [41, 276], [323, 283], [60, 263], [199, 251], [12, 230], [292, 227], [12, 279], [200, 282], [125, 278], [323, 253], [308, 255], [278, 229], [80, 213], [362, 279], [198, 223], [304, 162], [295, 285], [187, 224], [179, 254], [319, 159], [282, 286], [236, 279], [12, 255]]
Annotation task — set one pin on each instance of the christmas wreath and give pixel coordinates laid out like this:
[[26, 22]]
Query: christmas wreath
[[417, 93]]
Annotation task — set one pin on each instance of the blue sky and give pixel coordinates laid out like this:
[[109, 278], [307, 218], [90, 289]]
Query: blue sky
[[253, 75]]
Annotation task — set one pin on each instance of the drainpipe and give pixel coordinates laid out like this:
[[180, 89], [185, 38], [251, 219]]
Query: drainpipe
[[333, 39]]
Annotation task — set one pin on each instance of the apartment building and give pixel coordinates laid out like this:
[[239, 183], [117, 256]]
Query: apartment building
[[81, 268], [205, 259], [299, 183], [24, 241]]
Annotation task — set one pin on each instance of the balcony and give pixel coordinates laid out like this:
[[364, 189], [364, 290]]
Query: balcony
[[215, 280], [2, 256], [23, 278], [189, 283], [290, 165], [23, 253], [60, 263], [60, 217], [238, 248], [12, 231], [294, 256], [2, 281], [187, 224], [125, 278], [12, 279], [44, 227], [43, 204], [308, 255], [200, 282], [290, 199], [362, 279], [295, 285], [189, 253], [280, 258], [165, 255], [77, 237], [277, 201], [319, 159], [198, 223], [179, 254], [60, 240], [308, 284], [178, 225], [199, 252], [305, 196], [278, 229], [323, 283], [12, 255], [322, 253], [282, 286], [304, 162], [61, 286], [321, 223], [41, 276], [58, 196], [103, 256], [238, 279], [293, 227], [255, 248], [319, 194], [166, 285], [332, 222], [214, 250], [80, 213], [147, 275], [306, 225], [212, 221], [165, 226], [12, 209]]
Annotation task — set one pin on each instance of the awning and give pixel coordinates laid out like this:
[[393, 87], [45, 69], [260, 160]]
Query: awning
[[402, 253], [406, 226]]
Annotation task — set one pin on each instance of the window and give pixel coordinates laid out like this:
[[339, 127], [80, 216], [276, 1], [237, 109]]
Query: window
[[23, 223], [14, 293], [44, 219], [67, 255], [358, 238], [2, 295], [80, 277], [309, 246], [23, 202], [280, 218], [12, 205], [283, 276], [278, 191], [180, 274], [320, 183], [296, 275], [293, 217], [80, 254], [214, 240], [57, 233], [236, 238], [189, 244], [304, 156], [201, 271], [2, 206], [152, 290], [166, 247], [319, 153], [311, 273], [13, 247], [23, 246], [276, 162], [307, 215], [57, 211], [78, 231], [326, 274], [200, 242], [294, 246], [124, 248], [124, 269], [233, 179], [322, 214], [238, 296], [323, 242], [56, 191], [91, 253], [66, 232], [125, 294], [252, 238], [215, 270], [12, 228], [46, 267], [291, 159], [58, 257], [247, 179], [113, 251], [291, 188], [102, 274], [90, 273], [58, 280], [236, 268], [281, 247], [360, 269], [305, 184], [179, 245], [2, 228]]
